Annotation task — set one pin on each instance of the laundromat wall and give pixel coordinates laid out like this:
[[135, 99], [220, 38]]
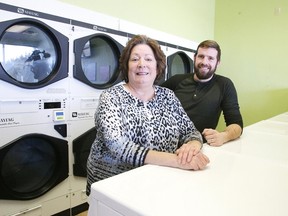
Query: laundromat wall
[[47, 120]]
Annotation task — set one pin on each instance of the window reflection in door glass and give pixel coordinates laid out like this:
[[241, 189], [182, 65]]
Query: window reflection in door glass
[[177, 66], [98, 61], [27, 53]]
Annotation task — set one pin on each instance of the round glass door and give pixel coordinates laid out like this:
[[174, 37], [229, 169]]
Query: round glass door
[[81, 150], [27, 53], [32, 165], [30, 53], [96, 60], [179, 63]]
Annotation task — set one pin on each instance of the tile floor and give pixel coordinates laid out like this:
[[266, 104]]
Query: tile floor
[[83, 214]]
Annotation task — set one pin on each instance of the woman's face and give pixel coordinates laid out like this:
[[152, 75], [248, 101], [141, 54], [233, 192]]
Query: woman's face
[[142, 66]]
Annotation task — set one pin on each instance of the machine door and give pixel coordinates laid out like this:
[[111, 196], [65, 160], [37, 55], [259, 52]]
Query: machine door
[[32, 165], [179, 63], [81, 150], [32, 54], [96, 60]]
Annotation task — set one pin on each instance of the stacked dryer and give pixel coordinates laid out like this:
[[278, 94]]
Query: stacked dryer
[[96, 50], [33, 106], [179, 60], [180, 56]]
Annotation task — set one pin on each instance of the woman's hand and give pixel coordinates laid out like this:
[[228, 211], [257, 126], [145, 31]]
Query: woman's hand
[[190, 157], [186, 152], [198, 162]]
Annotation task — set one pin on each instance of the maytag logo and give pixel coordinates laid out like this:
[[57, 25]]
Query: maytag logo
[[6, 120], [23, 11], [101, 29]]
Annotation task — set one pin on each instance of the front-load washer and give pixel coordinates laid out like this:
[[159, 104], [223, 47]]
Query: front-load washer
[[180, 56], [34, 164], [179, 63], [31, 165], [81, 136], [33, 103], [33, 53], [84, 133], [179, 60], [81, 150], [96, 52], [96, 60]]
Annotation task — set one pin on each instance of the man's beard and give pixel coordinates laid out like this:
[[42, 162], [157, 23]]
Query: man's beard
[[204, 76]]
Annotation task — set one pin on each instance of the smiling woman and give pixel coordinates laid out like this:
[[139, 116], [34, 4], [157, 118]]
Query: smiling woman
[[139, 122]]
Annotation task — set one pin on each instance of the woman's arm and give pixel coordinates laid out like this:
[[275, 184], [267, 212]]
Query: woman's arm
[[198, 162]]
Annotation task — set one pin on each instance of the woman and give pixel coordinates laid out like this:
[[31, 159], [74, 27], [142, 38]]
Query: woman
[[140, 123]]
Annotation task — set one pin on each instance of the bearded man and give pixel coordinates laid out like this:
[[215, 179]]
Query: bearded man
[[205, 95]]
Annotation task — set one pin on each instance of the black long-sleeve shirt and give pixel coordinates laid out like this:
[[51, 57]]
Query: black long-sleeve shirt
[[204, 102]]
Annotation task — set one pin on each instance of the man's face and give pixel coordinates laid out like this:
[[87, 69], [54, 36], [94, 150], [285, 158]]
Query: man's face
[[205, 63]]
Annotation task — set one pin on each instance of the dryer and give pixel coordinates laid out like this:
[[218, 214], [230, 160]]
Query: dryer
[[33, 104], [179, 62], [33, 156], [96, 51], [33, 53], [180, 56]]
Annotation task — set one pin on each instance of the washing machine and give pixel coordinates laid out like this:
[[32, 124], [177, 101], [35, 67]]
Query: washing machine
[[180, 56], [33, 54], [95, 49], [179, 61], [34, 156], [34, 147]]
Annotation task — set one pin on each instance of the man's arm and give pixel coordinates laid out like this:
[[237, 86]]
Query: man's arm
[[215, 138]]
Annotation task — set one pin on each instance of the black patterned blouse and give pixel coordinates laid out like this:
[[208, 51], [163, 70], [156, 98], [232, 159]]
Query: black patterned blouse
[[128, 127]]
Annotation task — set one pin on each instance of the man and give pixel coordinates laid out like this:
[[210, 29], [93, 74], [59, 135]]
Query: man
[[204, 95]]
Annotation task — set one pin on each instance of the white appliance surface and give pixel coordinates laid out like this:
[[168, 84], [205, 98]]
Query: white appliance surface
[[238, 181]]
